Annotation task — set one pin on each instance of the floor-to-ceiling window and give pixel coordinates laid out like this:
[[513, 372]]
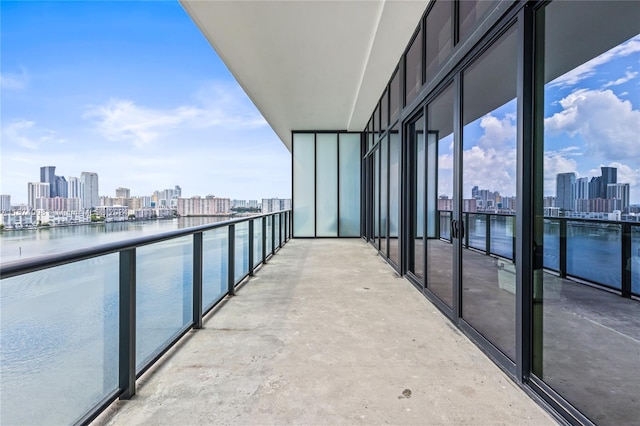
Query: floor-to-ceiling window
[[440, 195], [520, 201], [488, 184], [417, 175], [587, 337]]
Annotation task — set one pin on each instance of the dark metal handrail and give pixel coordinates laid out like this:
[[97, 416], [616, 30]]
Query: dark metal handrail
[[19, 267]]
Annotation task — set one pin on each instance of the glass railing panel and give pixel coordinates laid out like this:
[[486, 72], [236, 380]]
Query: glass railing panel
[[215, 244], [276, 224], [594, 252], [269, 222], [477, 230], [635, 260], [551, 241], [164, 292], [58, 341], [445, 225], [502, 229], [257, 242], [241, 251]]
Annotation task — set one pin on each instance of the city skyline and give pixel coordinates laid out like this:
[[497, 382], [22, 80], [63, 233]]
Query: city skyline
[[137, 96], [86, 189]]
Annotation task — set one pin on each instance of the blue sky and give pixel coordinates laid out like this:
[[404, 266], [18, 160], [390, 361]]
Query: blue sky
[[134, 92]]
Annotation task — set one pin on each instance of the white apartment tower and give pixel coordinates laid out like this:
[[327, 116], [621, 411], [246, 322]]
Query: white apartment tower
[[90, 181], [37, 190], [5, 203]]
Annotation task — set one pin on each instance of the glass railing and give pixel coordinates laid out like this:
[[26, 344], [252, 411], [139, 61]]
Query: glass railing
[[586, 249], [78, 328]]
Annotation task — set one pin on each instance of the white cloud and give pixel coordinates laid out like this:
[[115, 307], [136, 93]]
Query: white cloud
[[588, 69], [629, 75], [14, 81], [498, 132], [609, 125], [490, 169], [26, 134], [124, 120]]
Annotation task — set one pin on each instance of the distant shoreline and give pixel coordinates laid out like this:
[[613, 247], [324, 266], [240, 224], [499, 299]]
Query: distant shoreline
[[102, 222]]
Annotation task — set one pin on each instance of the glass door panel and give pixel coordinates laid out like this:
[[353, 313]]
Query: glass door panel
[[418, 178], [440, 195], [394, 195], [384, 191], [488, 188], [586, 338]]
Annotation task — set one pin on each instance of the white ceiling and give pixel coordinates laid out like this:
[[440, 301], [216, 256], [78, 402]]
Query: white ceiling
[[309, 65]]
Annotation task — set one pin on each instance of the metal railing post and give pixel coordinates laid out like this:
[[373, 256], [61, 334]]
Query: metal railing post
[[231, 258], [562, 263], [197, 280], [251, 248], [127, 324], [626, 260], [280, 229], [487, 234], [264, 239]]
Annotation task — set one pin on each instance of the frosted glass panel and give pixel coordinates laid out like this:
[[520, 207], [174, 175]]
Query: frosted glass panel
[[349, 185], [303, 185], [327, 185]]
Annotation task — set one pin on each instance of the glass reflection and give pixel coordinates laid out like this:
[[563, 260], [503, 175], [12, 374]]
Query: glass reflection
[[394, 194], [418, 191], [586, 337], [489, 186], [440, 195]]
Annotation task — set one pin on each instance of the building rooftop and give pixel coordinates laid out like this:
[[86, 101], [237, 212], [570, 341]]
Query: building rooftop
[[326, 333]]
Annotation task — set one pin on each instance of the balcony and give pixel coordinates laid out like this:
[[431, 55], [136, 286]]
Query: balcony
[[319, 331], [326, 333]]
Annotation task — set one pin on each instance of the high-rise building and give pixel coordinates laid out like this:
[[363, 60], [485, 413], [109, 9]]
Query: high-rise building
[[91, 196], [564, 190], [621, 193], [580, 191], [37, 190], [208, 206], [5, 203], [75, 188], [48, 175], [270, 205], [123, 192], [594, 187], [609, 176], [61, 187]]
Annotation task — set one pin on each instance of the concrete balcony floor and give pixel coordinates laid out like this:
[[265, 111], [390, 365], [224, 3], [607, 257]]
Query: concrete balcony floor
[[326, 333]]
